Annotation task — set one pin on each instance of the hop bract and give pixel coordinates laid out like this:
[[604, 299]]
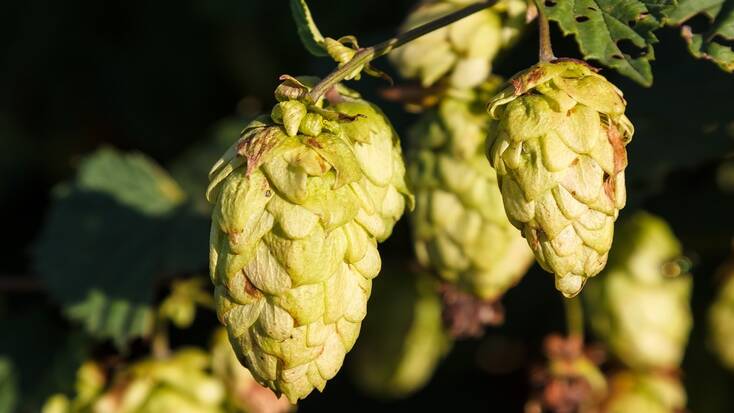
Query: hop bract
[[721, 318], [644, 392], [403, 338], [243, 392], [460, 228], [300, 202], [559, 152], [178, 383], [464, 50], [640, 305]]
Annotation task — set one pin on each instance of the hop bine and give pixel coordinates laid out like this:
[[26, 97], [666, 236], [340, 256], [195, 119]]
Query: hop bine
[[559, 152], [460, 228], [300, 202], [640, 305], [462, 51]]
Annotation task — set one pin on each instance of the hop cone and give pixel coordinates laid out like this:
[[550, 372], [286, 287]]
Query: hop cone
[[463, 50], [559, 152], [403, 338], [644, 392], [721, 318], [459, 225], [243, 392], [179, 383], [301, 201], [640, 305]]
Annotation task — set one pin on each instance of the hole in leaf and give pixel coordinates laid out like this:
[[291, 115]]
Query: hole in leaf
[[582, 19], [618, 56], [699, 23], [549, 3], [719, 39], [592, 8], [629, 48]]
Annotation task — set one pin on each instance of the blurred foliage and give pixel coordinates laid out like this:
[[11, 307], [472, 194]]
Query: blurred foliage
[[157, 78], [8, 388], [714, 42], [130, 220]]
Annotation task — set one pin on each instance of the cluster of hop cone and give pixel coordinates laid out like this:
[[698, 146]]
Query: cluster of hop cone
[[499, 174]]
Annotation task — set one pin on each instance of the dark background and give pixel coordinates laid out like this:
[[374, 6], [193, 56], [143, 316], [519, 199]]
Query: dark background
[[154, 76]]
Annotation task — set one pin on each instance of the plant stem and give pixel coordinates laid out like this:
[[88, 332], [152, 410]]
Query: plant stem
[[574, 316], [160, 346], [545, 53], [366, 55]]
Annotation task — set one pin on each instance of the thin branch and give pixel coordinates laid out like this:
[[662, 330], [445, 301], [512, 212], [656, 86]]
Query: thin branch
[[545, 53], [574, 316], [366, 55]]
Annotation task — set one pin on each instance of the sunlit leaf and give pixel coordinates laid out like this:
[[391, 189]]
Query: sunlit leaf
[[618, 34]]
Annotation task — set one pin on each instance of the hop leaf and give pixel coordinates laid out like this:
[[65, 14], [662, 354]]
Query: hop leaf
[[108, 286], [711, 45], [619, 35]]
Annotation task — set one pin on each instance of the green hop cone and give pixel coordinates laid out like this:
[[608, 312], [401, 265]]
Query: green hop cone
[[721, 318], [464, 50], [559, 152], [300, 202], [640, 305], [460, 228], [644, 392], [403, 338], [243, 392], [179, 383]]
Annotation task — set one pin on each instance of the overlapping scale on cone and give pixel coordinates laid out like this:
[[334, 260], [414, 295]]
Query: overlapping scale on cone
[[300, 202], [462, 51], [460, 228], [244, 394], [403, 338], [559, 152], [640, 305]]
